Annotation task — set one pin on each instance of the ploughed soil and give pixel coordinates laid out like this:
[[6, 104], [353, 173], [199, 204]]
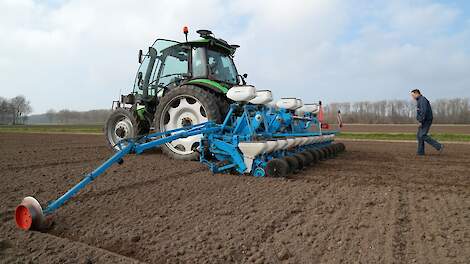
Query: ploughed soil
[[405, 128], [375, 203]]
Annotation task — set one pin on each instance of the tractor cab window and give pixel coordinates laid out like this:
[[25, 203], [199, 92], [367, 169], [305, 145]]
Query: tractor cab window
[[175, 67], [221, 67], [198, 65], [159, 45]]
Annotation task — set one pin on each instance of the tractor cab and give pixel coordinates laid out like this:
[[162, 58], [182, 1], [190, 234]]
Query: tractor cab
[[168, 64]]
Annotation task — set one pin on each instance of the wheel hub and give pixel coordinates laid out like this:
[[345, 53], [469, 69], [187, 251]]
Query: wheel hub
[[186, 122], [122, 129]]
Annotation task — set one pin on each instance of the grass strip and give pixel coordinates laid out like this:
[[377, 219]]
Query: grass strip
[[403, 136]]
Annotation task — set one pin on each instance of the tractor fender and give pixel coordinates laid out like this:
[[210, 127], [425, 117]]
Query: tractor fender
[[209, 84]]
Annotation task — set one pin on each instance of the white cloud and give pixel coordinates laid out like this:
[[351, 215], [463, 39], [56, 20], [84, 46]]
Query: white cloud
[[79, 54]]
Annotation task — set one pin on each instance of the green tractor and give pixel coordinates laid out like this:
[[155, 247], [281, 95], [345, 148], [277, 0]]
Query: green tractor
[[177, 84]]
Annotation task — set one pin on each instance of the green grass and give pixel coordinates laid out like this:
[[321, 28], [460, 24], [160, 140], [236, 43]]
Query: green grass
[[98, 129], [403, 136], [93, 128]]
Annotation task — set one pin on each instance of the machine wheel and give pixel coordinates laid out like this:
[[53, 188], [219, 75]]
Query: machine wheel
[[332, 150], [315, 155], [277, 168], [323, 154], [338, 148], [289, 169], [327, 152], [293, 164], [185, 106], [308, 156], [121, 124], [335, 147], [342, 146], [301, 159]]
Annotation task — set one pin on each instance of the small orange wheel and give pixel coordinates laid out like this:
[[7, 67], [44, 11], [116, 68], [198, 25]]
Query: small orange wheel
[[23, 217], [29, 215]]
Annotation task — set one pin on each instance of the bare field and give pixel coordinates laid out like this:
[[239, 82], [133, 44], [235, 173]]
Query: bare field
[[405, 128], [376, 203]]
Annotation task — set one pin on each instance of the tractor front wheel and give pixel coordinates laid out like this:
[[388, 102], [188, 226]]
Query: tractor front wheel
[[121, 124]]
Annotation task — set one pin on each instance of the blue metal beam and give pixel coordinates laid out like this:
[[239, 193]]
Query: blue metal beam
[[117, 157]]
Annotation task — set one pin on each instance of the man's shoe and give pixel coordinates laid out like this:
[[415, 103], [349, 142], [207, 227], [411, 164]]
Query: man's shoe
[[441, 149]]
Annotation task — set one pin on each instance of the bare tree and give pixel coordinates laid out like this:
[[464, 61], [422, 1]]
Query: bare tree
[[21, 108], [5, 111]]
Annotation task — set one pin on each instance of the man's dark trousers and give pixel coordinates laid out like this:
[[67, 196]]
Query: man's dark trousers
[[422, 136]]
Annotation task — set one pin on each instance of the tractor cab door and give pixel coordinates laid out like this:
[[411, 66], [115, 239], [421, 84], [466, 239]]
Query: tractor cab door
[[175, 66], [149, 69]]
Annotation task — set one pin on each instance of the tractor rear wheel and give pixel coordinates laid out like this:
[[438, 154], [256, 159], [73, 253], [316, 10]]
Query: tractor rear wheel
[[185, 106]]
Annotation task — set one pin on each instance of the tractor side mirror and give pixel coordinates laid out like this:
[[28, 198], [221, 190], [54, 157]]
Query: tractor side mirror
[[242, 78], [140, 56]]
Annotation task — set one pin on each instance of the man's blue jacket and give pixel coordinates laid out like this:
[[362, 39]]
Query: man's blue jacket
[[423, 110]]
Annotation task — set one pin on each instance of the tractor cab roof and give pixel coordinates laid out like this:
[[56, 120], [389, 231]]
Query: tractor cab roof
[[207, 39]]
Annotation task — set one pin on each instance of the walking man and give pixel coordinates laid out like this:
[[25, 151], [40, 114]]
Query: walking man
[[424, 117]]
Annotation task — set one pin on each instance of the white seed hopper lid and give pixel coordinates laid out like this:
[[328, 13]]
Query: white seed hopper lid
[[242, 93], [287, 103], [262, 97]]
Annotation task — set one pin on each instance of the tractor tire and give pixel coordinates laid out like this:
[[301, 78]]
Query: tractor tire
[[121, 124], [184, 106], [277, 168], [224, 104]]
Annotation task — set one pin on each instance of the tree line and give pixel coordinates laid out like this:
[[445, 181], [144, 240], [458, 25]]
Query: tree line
[[445, 111], [14, 110], [74, 117]]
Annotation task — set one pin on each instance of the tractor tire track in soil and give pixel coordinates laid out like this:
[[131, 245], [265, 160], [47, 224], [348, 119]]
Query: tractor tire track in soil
[[376, 203]]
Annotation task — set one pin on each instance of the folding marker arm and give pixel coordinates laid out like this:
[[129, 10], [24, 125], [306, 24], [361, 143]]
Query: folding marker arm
[[30, 215]]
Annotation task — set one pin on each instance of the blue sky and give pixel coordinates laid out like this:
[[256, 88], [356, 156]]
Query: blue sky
[[80, 54]]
